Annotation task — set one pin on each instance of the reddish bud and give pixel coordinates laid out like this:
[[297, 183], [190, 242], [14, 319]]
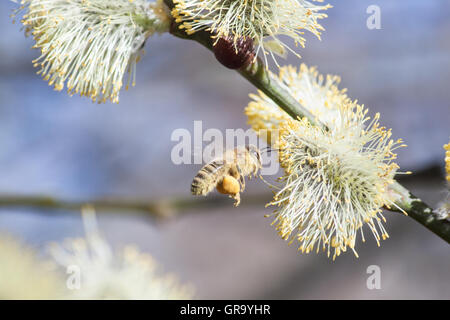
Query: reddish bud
[[234, 55]]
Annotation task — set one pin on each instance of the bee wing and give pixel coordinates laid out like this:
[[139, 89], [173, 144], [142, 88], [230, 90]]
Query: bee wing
[[216, 168]]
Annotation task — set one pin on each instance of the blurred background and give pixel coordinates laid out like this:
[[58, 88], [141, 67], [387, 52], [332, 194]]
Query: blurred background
[[70, 148]]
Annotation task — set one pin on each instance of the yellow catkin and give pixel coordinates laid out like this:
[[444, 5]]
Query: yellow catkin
[[447, 160], [335, 180], [254, 19]]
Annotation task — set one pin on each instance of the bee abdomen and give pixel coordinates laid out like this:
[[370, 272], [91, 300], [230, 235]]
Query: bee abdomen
[[198, 187], [205, 180]]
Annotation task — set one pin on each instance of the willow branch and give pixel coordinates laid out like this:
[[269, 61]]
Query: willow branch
[[258, 74], [262, 79], [154, 209], [421, 212], [265, 81]]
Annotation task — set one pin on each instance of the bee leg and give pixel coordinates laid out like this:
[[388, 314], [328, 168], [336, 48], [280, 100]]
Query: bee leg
[[236, 172], [241, 178], [255, 171], [237, 198]]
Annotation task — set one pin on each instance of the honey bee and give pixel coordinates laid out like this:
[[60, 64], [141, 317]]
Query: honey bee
[[228, 173]]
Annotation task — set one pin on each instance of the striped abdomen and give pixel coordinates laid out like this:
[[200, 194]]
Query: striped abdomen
[[206, 179]]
